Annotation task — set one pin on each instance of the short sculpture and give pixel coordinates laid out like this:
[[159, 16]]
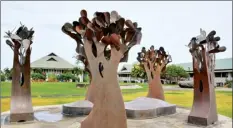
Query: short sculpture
[[154, 62], [21, 103], [106, 42], [203, 49]]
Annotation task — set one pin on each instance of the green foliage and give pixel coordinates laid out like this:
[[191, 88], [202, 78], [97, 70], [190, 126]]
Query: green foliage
[[176, 71], [86, 78], [138, 71], [38, 70], [38, 76], [52, 77], [77, 71], [228, 83], [66, 77], [3, 77], [8, 73]]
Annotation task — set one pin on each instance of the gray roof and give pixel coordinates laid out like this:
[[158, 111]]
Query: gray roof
[[220, 64], [51, 61], [126, 68]]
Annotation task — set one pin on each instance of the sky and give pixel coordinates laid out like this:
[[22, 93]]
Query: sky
[[168, 24]]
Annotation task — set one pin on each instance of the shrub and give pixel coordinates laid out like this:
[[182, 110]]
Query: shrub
[[228, 83], [86, 78], [38, 76], [52, 78], [3, 77], [66, 77]]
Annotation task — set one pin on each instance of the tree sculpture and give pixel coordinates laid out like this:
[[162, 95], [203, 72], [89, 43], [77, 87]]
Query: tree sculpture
[[21, 103], [154, 62], [203, 49], [104, 42]]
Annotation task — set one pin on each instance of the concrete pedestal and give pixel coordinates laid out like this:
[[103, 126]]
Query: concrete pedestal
[[78, 108], [144, 107]]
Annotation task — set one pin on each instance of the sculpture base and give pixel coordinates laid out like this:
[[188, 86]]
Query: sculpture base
[[201, 120], [144, 107], [21, 117], [78, 108]]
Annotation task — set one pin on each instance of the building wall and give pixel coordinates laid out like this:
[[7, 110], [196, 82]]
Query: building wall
[[220, 77], [126, 78]]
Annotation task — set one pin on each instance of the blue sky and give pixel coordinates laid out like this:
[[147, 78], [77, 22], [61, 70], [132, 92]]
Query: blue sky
[[167, 24]]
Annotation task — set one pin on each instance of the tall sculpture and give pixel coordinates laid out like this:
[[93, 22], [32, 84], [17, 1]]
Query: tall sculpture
[[154, 62], [203, 49], [104, 42], [21, 103]]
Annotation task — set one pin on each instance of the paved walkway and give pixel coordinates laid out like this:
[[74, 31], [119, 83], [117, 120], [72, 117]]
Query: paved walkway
[[177, 88], [177, 120]]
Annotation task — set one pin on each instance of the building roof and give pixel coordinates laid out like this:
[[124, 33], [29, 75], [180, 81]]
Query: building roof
[[220, 64], [126, 68], [51, 61]]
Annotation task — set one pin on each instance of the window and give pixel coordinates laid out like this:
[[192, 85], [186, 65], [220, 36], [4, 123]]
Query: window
[[122, 75], [191, 74], [218, 74], [225, 74], [51, 59], [123, 69]]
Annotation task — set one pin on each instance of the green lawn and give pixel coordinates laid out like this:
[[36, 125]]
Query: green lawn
[[58, 88], [180, 98]]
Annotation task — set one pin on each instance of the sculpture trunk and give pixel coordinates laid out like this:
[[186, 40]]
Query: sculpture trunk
[[108, 110], [204, 104], [21, 103], [89, 96], [155, 87]]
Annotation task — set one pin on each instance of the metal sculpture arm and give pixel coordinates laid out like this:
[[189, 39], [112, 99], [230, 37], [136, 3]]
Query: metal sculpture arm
[[211, 46]]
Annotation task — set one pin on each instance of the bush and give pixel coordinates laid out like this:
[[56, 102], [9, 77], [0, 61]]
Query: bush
[[228, 83], [66, 77], [86, 78], [3, 77], [38, 76], [52, 78]]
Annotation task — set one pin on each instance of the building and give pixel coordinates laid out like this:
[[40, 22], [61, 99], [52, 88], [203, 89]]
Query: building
[[223, 71], [52, 64], [124, 75]]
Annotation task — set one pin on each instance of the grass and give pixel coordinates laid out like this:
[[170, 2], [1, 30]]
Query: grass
[[47, 88], [180, 98], [58, 88]]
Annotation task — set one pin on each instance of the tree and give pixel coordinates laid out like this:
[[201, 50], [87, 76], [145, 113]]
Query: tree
[[3, 77], [8, 73], [77, 71], [176, 72], [138, 71]]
